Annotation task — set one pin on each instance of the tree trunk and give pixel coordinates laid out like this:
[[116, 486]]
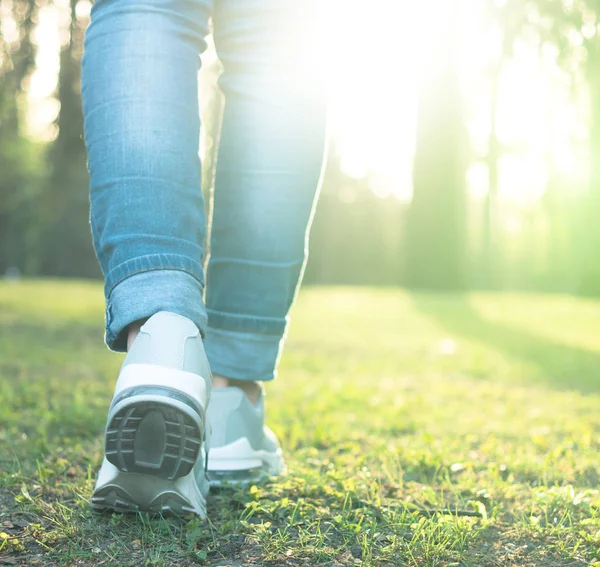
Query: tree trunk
[[589, 262], [67, 242], [436, 218], [16, 62]]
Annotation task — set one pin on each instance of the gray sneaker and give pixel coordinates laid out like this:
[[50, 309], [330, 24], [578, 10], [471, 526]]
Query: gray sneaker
[[155, 429], [242, 449]]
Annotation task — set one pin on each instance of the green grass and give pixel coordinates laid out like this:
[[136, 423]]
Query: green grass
[[400, 414]]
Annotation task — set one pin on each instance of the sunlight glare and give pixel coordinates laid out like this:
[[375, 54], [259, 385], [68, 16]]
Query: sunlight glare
[[43, 82], [371, 59], [8, 27], [478, 180]]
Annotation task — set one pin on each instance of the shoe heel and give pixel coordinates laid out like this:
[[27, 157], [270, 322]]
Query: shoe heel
[[158, 437], [132, 493]]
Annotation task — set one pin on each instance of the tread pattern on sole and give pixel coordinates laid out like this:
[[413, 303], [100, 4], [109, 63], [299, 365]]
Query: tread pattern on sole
[[153, 438], [115, 499]]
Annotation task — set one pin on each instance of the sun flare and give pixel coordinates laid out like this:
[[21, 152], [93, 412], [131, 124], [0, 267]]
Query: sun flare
[[371, 59]]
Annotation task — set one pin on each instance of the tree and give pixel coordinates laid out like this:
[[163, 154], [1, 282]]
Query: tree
[[436, 218], [572, 25], [67, 243], [19, 159]]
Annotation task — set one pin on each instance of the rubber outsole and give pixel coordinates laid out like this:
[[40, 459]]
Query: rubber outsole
[[131, 493], [151, 437], [116, 499]]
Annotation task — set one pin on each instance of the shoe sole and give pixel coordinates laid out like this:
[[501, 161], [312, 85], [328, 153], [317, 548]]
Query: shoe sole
[[239, 464], [156, 431], [131, 493]]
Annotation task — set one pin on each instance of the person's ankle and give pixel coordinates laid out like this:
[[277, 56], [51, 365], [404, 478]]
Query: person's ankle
[[251, 389], [133, 331]]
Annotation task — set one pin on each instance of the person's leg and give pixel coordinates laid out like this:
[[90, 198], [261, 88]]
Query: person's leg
[[267, 174], [268, 168], [140, 99]]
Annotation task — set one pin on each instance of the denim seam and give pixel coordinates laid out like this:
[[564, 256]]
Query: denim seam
[[262, 334], [134, 177], [151, 268], [136, 100], [110, 337], [259, 263], [248, 323]]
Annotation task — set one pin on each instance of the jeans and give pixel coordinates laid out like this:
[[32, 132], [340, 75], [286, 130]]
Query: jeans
[[142, 126]]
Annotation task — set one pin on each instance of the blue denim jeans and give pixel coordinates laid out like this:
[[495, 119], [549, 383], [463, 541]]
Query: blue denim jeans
[[142, 125]]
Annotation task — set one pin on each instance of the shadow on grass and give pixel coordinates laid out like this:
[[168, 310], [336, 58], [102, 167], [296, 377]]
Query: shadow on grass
[[561, 366]]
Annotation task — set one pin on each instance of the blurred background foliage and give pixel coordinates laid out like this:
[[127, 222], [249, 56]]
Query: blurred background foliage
[[464, 150]]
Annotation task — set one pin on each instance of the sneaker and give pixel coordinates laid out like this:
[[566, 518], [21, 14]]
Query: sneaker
[[155, 428], [242, 449]]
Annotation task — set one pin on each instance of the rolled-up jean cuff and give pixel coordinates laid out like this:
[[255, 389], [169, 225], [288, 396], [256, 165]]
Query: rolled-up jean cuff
[[241, 355], [144, 294], [151, 262]]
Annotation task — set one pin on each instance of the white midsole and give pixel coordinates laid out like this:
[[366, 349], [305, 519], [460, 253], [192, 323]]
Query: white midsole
[[135, 375], [240, 455]]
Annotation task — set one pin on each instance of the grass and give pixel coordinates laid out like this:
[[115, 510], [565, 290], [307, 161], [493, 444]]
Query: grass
[[421, 430]]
